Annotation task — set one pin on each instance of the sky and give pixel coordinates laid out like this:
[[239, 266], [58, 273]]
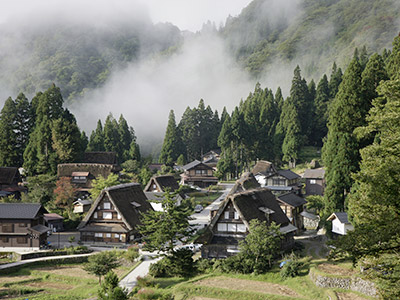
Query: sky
[[186, 14]]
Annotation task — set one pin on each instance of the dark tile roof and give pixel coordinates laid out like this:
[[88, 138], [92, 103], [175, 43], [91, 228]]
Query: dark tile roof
[[109, 158], [246, 182], [342, 216], [20, 210], [66, 170], [314, 173], [163, 182], [292, 199], [7, 175], [39, 228], [122, 196], [263, 166], [195, 163], [288, 174]]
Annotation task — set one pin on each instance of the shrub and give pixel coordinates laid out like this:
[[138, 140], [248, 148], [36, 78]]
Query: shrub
[[131, 254], [179, 264], [147, 294], [291, 268], [204, 265], [144, 282]]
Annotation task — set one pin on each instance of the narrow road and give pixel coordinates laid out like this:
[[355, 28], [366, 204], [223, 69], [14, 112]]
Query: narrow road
[[129, 282]]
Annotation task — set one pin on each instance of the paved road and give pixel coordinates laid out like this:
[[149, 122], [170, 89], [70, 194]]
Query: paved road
[[129, 282], [27, 261]]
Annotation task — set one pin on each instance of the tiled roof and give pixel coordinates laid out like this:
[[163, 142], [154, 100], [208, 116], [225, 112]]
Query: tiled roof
[[20, 210], [292, 199]]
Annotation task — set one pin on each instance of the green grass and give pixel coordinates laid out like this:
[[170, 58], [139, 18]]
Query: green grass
[[204, 199]]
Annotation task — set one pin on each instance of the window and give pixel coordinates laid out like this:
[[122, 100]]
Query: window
[[23, 225], [108, 235], [95, 215], [232, 227], [4, 239], [98, 234], [236, 215], [22, 240], [107, 215], [8, 227], [278, 181], [222, 227], [107, 205], [116, 235], [119, 216], [226, 215], [241, 228], [201, 172], [313, 181]]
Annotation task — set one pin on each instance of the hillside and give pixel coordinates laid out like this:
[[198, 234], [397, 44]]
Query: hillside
[[311, 33]]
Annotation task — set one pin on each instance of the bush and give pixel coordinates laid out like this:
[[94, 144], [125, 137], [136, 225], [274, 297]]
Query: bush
[[131, 254], [291, 268], [204, 265], [179, 264], [144, 282], [147, 294]]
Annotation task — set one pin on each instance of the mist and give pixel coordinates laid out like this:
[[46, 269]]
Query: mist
[[146, 91]]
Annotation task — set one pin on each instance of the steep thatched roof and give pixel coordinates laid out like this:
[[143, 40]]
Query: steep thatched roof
[[246, 182], [263, 166], [8, 175], [95, 170], [162, 182], [109, 158], [314, 173], [129, 201]]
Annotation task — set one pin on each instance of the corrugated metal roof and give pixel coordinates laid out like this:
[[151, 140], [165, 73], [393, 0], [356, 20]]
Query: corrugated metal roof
[[19, 210]]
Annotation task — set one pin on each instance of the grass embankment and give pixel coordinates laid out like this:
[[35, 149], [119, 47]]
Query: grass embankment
[[46, 280]]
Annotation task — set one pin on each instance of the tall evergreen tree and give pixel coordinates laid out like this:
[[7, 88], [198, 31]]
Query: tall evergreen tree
[[322, 97], [340, 152], [293, 137], [170, 149], [96, 142], [39, 156], [126, 136], [8, 137], [24, 123], [335, 80], [111, 136]]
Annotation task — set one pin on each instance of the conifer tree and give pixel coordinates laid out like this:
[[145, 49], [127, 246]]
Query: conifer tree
[[96, 142], [24, 122], [340, 152], [335, 80], [279, 99], [126, 136], [111, 136], [8, 137], [170, 148], [39, 156], [322, 98]]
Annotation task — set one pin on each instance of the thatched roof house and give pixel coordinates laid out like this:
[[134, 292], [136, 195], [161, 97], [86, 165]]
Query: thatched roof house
[[160, 183]]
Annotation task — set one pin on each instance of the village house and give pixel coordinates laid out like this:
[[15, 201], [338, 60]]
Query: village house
[[82, 206], [230, 225], [115, 215], [162, 183], [198, 174], [315, 181], [211, 158], [280, 182], [293, 205], [22, 226], [94, 165], [340, 223], [54, 222], [11, 182]]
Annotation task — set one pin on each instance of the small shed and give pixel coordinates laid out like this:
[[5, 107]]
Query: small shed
[[54, 222], [340, 223], [82, 206]]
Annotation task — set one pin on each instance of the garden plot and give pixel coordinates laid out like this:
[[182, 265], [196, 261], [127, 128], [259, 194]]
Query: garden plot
[[248, 285]]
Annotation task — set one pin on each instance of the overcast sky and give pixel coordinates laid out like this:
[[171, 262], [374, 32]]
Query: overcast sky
[[186, 14]]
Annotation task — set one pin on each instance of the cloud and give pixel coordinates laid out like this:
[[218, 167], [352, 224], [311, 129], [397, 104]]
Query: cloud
[[146, 91]]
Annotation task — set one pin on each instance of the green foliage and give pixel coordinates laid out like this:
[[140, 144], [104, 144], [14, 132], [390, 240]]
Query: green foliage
[[291, 268], [110, 290], [40, 189], [178, 264], [172, 146], [101, 183], [132, 254], [315, 203], [101, 263], [161, 230]]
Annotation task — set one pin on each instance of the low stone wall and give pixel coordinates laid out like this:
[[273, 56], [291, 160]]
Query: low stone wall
[[347, 283]]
